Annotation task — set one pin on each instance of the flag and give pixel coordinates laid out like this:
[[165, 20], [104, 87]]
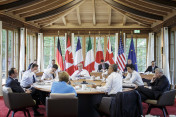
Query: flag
[[99, 55], [121, 60], [78, 55], [69, 65], [109, 54], [89, 61], [59, 59], [132, 55]]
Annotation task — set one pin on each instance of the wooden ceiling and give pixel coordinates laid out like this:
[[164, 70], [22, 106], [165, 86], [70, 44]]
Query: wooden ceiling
[[57, 14]]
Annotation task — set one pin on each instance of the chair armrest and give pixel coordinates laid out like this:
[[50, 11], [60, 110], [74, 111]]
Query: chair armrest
[[167, 98], [20, 100]]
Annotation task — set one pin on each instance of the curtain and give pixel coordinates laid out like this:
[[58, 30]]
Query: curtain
[[22, 52], [1, 57], [40, 53], [166, 53], [150, 54]]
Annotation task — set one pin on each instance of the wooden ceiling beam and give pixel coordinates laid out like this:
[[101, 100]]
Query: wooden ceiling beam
[[53, 12], [133, 11], [163, 2], [124, 20], [6, 1], [78, 15], [64, 20], [151, 6], [140, 7], [15, 4], [110, 15], [94, 18]]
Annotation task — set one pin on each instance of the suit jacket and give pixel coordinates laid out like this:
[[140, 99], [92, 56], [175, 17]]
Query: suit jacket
[[149, 69], [160, 85], [100, 66], [14, 85], [126, 104]]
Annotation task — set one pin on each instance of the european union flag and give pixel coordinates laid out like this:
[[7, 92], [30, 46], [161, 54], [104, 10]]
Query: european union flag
[[132, 55]]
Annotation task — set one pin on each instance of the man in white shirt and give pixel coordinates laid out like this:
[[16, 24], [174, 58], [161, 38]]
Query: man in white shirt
[[113, 82], [133, 76], [80, 72], [50, 73], [29, 77]]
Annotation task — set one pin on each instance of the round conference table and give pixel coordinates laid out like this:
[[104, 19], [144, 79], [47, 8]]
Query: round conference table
[[87, 98]]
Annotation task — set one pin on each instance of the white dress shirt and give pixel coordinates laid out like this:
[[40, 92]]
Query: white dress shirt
[[83, 72], [113, 84], [47, 74], [27, 78], [135, 78]]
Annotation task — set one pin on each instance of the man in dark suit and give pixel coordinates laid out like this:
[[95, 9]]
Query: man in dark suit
[[13, 83], [151, 68], [103, 66], [158, 85]]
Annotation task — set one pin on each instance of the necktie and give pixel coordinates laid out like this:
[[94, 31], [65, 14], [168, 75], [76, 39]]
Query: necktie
[[33, 79]]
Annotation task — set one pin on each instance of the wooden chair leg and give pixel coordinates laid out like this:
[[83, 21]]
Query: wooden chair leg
[[164, 112], [8, 113], [149, 109]]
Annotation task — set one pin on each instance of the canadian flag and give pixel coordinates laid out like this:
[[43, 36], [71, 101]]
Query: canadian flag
[[109, 54], [69, 66], [99, 55]]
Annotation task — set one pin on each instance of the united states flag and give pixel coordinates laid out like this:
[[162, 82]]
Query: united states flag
[[121, 60]]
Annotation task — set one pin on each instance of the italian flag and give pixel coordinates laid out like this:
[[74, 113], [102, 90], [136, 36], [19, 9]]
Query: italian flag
[[89, 61]]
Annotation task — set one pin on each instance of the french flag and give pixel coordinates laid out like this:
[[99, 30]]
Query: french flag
[[78, 55]]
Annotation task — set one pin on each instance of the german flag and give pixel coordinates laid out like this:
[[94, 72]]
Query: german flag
[[59, 59]]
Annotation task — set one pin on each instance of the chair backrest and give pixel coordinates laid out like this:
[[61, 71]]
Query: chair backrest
[[167, 98], [6, 91], [61, 95], [62, 107]]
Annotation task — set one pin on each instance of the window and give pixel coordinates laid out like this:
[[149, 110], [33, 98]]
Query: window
[[112, 39], [4, 42], [50, 49], [140, 45], [10, 45]]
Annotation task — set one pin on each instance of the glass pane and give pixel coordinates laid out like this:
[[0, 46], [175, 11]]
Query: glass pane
[[141, 42], [63, 46], [4, 41], [10, 37], [48, 50]]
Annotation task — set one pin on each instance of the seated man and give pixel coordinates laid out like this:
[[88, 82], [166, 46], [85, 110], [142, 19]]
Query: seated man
[[34, 62], [159, 84], [51, 65], [50, 73], [29, 77], [13, 83], [133, 76], [129, 62], [62, 86], [80, 72], [151, 68], [113, 81], [103, 66]]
